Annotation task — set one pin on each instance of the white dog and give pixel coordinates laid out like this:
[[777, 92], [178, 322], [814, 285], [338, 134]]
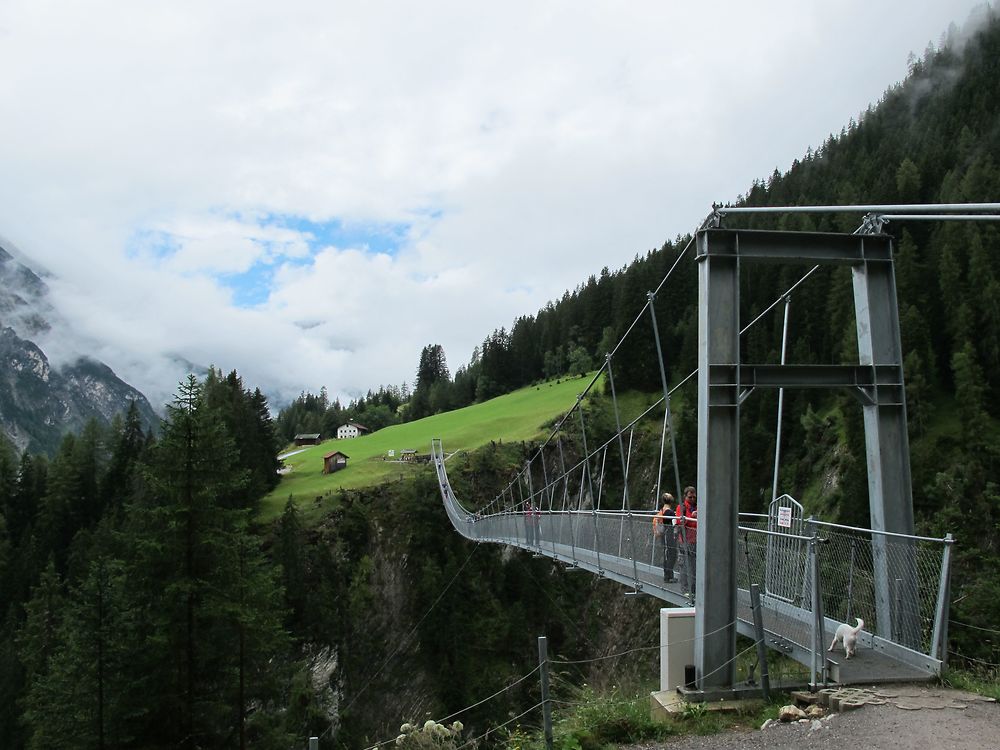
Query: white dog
[[848, 636]]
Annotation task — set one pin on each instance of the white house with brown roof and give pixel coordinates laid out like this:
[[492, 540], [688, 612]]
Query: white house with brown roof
[[351, 430]]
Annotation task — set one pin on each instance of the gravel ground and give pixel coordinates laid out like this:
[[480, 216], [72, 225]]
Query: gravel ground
[[920, 718]]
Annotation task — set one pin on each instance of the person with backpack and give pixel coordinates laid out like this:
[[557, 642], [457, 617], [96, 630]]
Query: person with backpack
[[687, 538], [664, 533]]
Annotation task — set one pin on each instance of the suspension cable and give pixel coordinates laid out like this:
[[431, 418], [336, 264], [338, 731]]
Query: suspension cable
[[883, 211]]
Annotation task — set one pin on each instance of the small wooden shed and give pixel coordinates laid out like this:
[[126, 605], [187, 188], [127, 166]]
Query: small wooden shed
[[311, 438], [334, 461]]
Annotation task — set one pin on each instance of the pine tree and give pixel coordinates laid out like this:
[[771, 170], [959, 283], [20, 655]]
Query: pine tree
[[210, 609], [37, 638], [431, 370], [8, 475], [290, 556], [128, 442], [247, 419], [181, 543], [89, 694]]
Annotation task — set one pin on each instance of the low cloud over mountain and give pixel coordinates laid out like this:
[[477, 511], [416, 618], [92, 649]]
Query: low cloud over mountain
[[39, 401]]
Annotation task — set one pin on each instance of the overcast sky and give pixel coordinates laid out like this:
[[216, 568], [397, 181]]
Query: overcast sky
[[311, 191]]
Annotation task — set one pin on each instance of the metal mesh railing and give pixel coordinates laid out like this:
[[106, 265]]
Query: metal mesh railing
[[890, 581]]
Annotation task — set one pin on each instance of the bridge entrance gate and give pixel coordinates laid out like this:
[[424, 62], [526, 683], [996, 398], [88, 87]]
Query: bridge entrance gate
[[785, 570]]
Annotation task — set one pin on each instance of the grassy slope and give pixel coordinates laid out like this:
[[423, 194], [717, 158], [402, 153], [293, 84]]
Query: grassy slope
[[516, 416]]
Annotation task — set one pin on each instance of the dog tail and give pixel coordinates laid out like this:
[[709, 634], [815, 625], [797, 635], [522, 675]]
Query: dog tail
[[861, 624]]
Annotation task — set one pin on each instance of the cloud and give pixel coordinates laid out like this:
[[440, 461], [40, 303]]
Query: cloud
[[311, 193]]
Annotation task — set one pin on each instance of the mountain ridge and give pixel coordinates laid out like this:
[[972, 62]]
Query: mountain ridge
[[40, 403]]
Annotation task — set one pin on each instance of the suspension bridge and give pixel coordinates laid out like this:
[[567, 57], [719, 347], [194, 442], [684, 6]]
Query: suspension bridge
[[809, 575]]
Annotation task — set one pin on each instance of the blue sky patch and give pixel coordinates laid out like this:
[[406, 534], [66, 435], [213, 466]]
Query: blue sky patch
[[153, 243], [377, 238], [252, 287]]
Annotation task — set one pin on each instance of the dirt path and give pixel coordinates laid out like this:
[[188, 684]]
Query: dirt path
[[895, 717]]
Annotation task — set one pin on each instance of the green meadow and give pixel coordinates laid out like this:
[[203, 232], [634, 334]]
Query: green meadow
[[521, 415]]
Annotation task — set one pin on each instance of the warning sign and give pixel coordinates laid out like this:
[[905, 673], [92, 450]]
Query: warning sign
[[785, 517]]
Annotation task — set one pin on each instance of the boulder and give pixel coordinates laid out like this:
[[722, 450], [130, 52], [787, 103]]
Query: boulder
[[790, 713]]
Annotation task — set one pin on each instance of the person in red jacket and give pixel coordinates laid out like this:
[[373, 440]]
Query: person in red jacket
[[687, 537]]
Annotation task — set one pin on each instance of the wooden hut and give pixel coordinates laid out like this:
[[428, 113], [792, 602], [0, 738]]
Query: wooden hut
[[334, 461]]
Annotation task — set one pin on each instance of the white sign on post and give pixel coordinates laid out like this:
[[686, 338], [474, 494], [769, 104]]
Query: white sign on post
[[785, 517]]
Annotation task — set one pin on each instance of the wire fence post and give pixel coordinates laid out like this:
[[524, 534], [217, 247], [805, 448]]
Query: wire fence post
[[543, 668], [758, 626], [546, 487], [939, 642], [850, 581], [897, 593], [531, 485], [818, 675]]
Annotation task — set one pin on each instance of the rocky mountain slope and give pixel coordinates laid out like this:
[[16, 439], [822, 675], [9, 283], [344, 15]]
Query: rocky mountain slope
[[40, 403]]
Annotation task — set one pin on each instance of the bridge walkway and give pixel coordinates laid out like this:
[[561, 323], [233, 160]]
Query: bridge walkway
[[618, 545]]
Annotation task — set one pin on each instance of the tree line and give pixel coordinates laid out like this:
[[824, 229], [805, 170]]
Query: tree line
[[143, 604], [566, 338], [137, 606]]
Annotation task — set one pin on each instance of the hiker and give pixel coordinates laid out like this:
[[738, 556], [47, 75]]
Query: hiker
[[529, 524], [664, 531], [687, 538]]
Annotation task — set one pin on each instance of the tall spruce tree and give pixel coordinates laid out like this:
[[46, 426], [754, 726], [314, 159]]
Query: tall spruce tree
[[431, 370], [183, 572]]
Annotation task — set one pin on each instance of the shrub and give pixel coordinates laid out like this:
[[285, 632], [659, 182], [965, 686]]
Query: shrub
[[430, 735]]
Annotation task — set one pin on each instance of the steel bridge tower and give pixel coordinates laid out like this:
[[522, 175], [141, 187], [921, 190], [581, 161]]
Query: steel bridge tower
[[724, 382]]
